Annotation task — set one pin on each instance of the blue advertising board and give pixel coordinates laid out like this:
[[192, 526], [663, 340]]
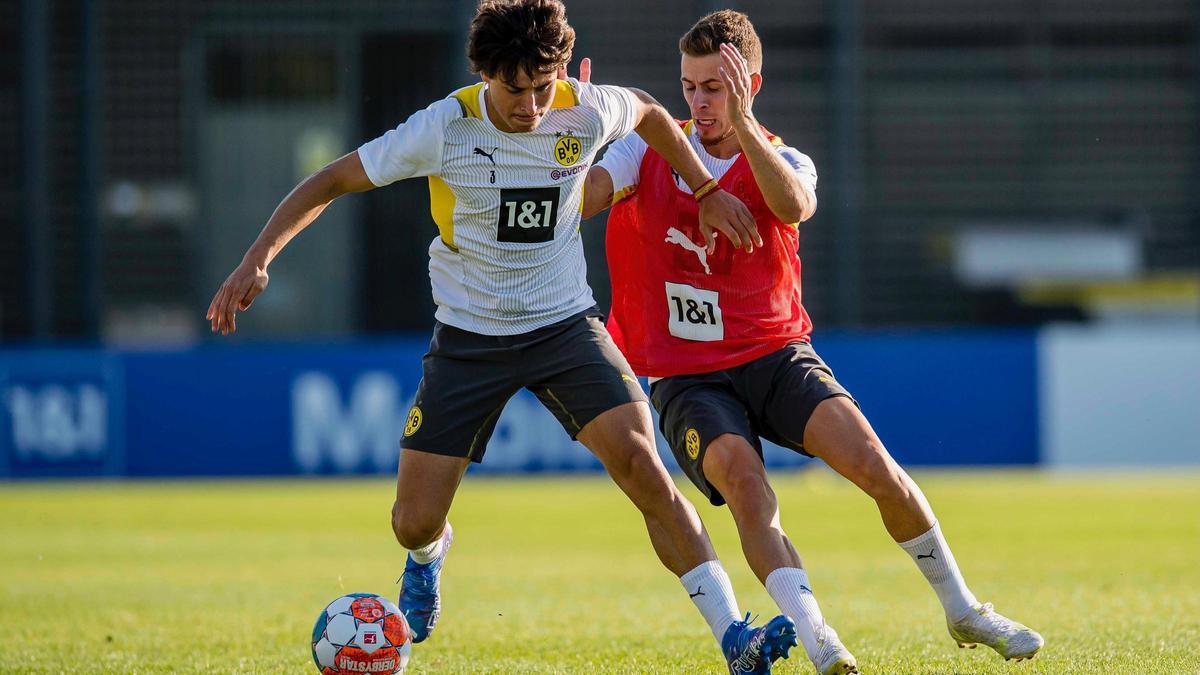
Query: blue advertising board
[[339, 408], [944, 398]]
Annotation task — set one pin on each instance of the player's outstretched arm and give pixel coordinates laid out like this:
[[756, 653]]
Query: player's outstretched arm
[[297, 210], [781, 189], [719, 210]]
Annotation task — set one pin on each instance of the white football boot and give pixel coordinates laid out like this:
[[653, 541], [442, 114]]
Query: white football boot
[[985, 626], [832, 657]]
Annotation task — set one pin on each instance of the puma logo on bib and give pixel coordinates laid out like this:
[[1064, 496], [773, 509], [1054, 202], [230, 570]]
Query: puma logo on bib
[[675, 236]]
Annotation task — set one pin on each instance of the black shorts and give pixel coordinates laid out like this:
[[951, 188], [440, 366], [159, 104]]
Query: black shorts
[[772, 397], [572, 366]]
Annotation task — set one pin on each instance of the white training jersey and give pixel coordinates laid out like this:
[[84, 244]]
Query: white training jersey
[[623, 162], [509, 258]]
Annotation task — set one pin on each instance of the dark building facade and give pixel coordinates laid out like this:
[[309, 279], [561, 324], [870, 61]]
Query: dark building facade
[[143, 143]]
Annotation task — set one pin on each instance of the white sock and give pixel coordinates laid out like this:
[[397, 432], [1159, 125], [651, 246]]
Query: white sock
[[789, 588], [429, 552], [933, 557], [709, 587]]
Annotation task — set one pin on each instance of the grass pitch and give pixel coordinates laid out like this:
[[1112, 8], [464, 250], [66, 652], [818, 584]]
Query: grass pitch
[[556, 575]]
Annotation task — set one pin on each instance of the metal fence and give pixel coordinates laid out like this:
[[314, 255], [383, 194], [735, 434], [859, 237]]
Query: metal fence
[[144, 142]]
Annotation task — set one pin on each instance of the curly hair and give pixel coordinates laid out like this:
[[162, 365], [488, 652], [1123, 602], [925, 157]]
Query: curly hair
[[512, 36], [713, 29]]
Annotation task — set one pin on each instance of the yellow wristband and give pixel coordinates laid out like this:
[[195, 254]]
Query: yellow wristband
[[707, 189]]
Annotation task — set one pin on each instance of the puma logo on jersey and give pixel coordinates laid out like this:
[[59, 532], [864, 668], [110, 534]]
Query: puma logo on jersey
[[479, 151], [674, 236]]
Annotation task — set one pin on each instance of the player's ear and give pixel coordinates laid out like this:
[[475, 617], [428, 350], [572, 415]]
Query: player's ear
[[755, 83]]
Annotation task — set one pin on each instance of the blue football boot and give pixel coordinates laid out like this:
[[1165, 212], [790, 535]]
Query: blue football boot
[[420, 597], [751, 650]]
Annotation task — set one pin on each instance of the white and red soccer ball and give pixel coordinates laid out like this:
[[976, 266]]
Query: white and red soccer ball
[[361, 633]]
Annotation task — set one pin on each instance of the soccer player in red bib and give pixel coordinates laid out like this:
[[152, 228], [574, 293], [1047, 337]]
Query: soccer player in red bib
[[719, 328]]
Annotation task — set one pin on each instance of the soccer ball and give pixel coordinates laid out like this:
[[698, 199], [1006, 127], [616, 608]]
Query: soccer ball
[[361, 633]]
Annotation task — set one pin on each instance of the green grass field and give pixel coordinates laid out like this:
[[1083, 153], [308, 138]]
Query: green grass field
[[556, 575]]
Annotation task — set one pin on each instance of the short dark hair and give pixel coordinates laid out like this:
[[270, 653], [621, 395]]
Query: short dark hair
[[716, 28], [510, 36]]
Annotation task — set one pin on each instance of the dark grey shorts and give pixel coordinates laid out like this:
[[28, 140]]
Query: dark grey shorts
[[772, 397], [572, 366]]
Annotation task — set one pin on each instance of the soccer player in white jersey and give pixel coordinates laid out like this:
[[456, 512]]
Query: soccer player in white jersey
[[506, 161], [738, 364]]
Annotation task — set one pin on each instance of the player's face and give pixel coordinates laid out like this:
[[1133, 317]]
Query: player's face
[[520, 105], [705, 96]]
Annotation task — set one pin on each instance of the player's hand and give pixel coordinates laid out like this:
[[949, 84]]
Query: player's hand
[[724, 213], [585, 71], [735, 74], [236, 294]]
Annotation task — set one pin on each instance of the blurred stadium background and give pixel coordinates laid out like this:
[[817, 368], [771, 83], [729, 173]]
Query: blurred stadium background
[[1004, 267], [1010, 192]]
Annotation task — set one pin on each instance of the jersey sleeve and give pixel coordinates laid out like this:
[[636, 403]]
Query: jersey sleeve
[[617, 107], [623, 162], [412, 149], [803, 165]]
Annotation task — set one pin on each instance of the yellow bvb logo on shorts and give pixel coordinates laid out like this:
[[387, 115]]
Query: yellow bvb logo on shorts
[[692, 442], [567, 150], [414, 421]]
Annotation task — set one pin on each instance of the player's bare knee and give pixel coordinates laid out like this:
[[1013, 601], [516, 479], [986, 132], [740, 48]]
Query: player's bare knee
[[637, 465], [733, 465], [880, 476], [727, 452], [749, 493]]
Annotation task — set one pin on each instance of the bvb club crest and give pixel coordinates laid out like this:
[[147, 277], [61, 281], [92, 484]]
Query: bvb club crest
[[414, 421], [567, 150], [692, 442]]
